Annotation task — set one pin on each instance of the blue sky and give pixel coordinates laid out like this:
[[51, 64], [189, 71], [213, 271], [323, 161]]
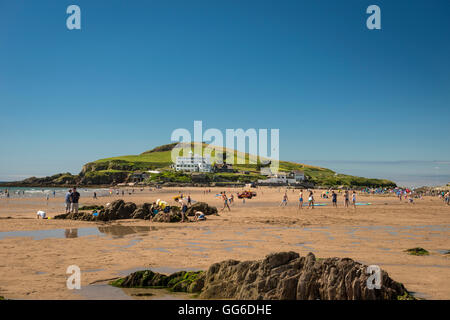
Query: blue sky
[[140, 69]]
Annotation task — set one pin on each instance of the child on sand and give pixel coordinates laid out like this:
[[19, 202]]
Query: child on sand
[[300, 199], [311, 200], [199, 216], [354, 199], [41, 214]]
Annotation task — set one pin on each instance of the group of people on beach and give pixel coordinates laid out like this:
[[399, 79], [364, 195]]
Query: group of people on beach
[[311, 200], [185, 203], [71, 200], [6, 193]]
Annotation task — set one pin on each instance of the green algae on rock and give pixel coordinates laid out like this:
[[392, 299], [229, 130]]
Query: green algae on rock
[[417, 251], [182, 281]]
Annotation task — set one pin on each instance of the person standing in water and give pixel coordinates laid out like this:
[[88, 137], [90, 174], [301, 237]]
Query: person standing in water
[[300, 199]]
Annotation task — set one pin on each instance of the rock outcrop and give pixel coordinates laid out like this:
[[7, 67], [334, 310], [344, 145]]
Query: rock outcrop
[[201, 206], [182, 281], [116, 210], [283, 276], [167, 217], [286, 275], [120, 209]]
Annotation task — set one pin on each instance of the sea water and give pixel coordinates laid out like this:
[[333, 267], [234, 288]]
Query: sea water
[[412, 174], [36, 192]]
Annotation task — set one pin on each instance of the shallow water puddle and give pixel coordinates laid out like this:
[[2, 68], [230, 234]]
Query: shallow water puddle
[[114, 231], [107, 292], [52, 233]]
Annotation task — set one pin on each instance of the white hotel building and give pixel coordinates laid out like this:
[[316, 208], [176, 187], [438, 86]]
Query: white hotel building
[[193, 163]]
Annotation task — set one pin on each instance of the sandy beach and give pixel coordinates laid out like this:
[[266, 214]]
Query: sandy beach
[[34, 254]]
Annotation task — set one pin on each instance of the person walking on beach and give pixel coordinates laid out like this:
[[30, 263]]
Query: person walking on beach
[[334, 199], [311, 200], [225, 202], [67, 200], [284, 201], [300, 199], [189, 200], [354, 199], [95, 195], [74, 198]]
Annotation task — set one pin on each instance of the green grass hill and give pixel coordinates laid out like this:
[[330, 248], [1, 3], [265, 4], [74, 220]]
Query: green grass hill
[[111, 171], [160, 158]]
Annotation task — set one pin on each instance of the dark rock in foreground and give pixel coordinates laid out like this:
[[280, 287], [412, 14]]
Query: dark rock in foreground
[[280, 276], [182, 281]]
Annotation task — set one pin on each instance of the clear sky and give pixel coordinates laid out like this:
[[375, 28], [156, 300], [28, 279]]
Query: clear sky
[[137, 70]]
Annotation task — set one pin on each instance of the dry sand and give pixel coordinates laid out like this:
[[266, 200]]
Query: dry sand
[[33, 262]]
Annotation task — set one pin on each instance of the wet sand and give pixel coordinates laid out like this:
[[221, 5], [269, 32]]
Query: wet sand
[[34, 254]]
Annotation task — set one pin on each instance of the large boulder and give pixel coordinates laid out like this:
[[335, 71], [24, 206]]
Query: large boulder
[[143, 211], [286, 275], [167, 217], [280, 276], [116, 210], [201, 206]]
